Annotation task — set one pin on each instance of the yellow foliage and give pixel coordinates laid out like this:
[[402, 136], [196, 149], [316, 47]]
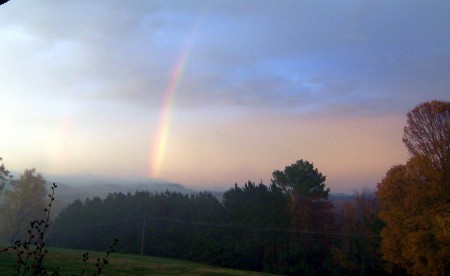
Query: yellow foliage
[[415, 198]]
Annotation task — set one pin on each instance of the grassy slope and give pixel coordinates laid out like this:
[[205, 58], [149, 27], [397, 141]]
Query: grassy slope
[[70, 262]]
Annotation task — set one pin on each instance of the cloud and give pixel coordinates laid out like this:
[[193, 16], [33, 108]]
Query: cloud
[[259, 54]]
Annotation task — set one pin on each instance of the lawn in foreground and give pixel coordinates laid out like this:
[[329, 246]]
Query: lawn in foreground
[[71, 262]]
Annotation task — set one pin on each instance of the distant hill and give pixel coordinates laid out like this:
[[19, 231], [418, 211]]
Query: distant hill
[[102, 190], [339, 200], [67, 193]]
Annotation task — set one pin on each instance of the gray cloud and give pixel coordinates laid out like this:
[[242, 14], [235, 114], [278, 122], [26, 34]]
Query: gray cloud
[[252, 54]]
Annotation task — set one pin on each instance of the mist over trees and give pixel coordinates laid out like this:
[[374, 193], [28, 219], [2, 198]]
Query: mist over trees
[[22, 203], [4, 176], [289, 226]]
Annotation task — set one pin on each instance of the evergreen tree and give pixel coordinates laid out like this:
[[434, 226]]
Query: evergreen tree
[[311, 213]]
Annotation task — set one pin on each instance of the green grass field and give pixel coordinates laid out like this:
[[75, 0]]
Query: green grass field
[[70, 262]]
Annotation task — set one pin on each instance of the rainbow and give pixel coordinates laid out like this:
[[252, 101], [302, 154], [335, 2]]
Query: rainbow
[[158, 151], [164, 121]]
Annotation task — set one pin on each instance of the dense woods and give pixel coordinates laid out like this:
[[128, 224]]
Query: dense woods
[[289, 226], [250, 230]]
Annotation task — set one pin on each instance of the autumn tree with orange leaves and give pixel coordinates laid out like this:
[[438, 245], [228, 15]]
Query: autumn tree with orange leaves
[[415, 197]]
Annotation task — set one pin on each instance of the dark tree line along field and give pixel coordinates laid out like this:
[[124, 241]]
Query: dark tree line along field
[[253, 229]]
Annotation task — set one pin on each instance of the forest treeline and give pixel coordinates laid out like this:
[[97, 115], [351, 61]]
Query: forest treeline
[[255, 227], [288, 226]]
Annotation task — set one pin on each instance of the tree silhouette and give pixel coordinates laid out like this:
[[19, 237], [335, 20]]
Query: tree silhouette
[[310, 210], [427, 133]]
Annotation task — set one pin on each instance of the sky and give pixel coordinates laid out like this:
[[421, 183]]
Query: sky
[[211, 93]]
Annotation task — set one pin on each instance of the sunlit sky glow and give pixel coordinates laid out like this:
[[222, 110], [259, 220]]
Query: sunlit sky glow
[[210, 93]]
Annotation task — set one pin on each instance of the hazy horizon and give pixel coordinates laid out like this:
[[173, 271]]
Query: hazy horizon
[[80, 180]]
